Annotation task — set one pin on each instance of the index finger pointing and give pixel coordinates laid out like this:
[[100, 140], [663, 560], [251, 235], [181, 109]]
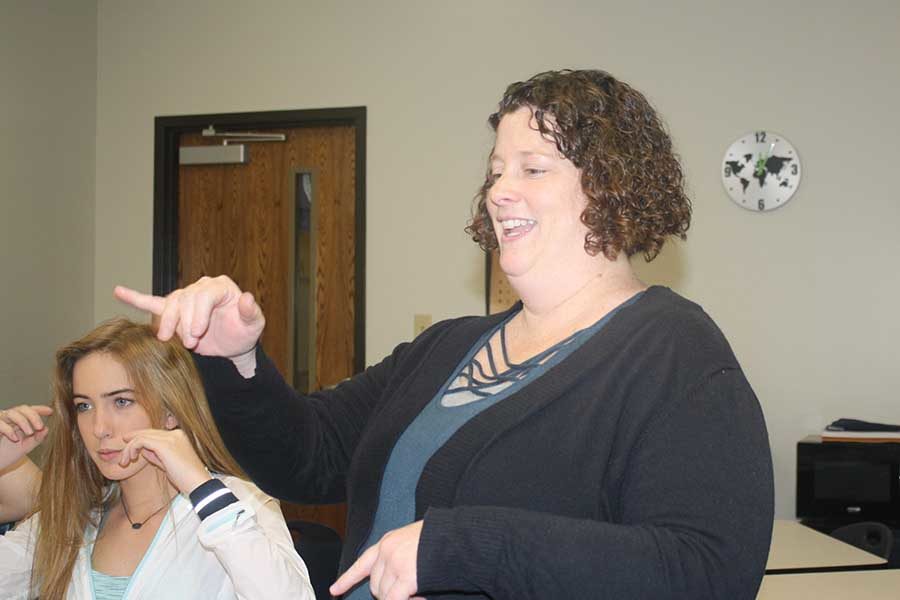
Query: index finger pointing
[[153, 304], [356, 573]]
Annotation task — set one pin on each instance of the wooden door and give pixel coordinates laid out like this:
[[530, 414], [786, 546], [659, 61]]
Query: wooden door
[[241, 220]]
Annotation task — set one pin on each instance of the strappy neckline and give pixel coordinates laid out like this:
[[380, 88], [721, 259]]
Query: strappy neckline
[[480, 381]]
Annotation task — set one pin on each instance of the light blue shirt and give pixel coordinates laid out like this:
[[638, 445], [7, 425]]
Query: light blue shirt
[[108, 587]]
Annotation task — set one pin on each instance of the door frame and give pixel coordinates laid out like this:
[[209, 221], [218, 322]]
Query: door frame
[[167, 131]]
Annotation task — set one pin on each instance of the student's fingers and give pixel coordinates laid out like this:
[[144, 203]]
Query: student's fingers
[[142, 442], [152, 304], [18, 417], [34, 415], [41, 435], [25, 423], [16, 423], [135, 441], [33, 441], [8, 430], [151, 456], [171, 451], [127, 455], [356, 573]]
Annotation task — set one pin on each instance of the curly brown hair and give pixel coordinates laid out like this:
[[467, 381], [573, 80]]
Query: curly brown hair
[[629, 173]]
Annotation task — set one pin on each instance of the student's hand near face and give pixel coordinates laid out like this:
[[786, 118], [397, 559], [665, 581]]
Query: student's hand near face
[[212, 316], [169, 450], [21, 430]]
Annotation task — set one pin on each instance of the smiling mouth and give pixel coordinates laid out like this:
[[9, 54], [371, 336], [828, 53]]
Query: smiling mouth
[[516, 228]]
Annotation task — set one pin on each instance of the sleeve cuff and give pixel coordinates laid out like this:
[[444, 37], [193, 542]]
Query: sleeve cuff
[[459, 549], [220, 373], [211, 497]]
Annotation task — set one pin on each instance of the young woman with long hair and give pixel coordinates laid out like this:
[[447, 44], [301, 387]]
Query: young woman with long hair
[[138, 497]]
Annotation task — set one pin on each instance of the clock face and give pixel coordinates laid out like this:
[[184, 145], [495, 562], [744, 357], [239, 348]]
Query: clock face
[[761, 171]]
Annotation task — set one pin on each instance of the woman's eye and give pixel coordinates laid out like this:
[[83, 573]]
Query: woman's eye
[[534, 171], [81, 406], [123, 402]]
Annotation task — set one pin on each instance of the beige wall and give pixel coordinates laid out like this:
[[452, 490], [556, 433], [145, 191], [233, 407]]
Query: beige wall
[[806, 294], [48, 75]]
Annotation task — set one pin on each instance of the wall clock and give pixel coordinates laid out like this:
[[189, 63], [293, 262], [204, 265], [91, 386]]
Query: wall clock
[[761, 171]]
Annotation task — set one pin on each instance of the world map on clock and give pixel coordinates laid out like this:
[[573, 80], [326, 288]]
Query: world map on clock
[[761, 171], [773, 165]]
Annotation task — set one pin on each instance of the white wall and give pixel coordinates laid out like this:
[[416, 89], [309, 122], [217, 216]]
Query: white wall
[[805, 294], [48, 75]]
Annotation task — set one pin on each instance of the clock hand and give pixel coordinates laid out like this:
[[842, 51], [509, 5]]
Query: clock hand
[[760, 166], [761, 161]]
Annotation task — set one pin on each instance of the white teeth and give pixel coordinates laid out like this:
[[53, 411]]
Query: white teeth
[[513, 223]]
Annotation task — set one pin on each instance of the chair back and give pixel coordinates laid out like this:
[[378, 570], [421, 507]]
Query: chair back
[[320, 548]]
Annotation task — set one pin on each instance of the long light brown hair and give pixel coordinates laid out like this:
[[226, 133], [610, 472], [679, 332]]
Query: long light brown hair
[[72, 488]]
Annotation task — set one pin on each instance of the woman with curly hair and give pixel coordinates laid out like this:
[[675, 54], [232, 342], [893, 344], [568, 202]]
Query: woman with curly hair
[[597, 440], [126, 506]]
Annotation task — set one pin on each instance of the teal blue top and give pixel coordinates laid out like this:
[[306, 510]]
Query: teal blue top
[[107, 587], [453, 406]]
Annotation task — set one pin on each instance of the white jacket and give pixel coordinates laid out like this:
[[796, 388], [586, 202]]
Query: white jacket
[[243, 551]]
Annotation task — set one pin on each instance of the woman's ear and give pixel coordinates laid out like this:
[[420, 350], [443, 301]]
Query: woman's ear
[[171, 422]]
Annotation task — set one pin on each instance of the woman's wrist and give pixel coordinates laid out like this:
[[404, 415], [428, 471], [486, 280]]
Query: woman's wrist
[[245, 363], [18, 489], [192, 482]]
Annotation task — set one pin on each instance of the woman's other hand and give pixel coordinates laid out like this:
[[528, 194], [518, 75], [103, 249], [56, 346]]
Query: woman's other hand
[[390, 566], [169, 450], [21, 430], [212, 316]]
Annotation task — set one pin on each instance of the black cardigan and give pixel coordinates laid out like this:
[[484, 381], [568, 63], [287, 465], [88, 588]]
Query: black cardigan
[[638, 467]]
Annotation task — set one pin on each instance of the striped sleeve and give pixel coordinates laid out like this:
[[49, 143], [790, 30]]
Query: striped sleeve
[[211, 497]]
